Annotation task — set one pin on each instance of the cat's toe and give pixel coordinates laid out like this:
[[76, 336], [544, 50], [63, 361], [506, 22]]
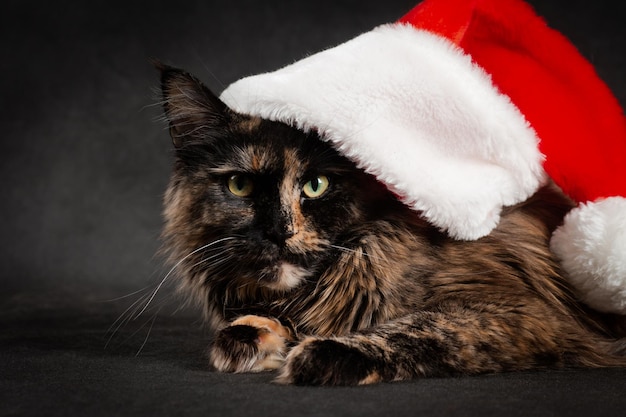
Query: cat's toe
[[245, 348], [329, 362]]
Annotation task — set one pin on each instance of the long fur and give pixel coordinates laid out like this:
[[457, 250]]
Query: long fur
[[354, 287]]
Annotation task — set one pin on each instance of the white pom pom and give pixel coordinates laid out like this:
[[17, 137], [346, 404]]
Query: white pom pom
[[592, 247]]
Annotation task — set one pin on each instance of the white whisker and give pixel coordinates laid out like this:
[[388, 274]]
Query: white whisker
[[145, 340], [124, 318], [348, 250], [151, 319], [210, 265], [127, 295], [158, 287], [138, 307]]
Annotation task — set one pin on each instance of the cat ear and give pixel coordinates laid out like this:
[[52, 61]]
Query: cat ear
[[192, 110]]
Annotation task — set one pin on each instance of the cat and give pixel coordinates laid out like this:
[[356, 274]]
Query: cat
[[306, 264]]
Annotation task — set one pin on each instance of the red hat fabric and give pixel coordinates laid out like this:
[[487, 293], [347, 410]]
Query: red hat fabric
[[580, 124], [461, 108]]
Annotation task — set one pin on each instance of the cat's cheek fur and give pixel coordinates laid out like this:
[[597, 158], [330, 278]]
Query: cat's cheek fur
[[250, 344]]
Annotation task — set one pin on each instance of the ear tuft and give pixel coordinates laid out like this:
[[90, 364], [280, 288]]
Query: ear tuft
[[192, 110]]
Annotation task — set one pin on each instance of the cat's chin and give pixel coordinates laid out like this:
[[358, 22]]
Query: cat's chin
[[286, 276]]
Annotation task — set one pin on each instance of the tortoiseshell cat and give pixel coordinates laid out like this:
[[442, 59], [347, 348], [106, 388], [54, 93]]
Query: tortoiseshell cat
[[304, 263]]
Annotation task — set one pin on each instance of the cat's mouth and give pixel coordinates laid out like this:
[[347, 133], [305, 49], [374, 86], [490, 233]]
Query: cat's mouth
[[284, 267], [283, 276]]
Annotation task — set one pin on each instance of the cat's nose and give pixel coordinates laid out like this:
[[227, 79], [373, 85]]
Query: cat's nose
[[279, 234]]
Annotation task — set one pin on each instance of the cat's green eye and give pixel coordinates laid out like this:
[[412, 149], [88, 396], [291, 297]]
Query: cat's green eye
[[240, 185], [316, 187]]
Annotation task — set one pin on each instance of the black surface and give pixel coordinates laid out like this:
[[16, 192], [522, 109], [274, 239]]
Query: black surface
[[82, 169], [59, 365]]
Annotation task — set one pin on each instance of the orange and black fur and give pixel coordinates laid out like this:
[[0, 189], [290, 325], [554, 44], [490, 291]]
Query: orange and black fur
[[306, 264]]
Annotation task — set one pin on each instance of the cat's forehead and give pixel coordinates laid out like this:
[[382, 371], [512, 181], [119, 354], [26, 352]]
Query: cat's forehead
[[257, 145], [263, 159], [267, 147]]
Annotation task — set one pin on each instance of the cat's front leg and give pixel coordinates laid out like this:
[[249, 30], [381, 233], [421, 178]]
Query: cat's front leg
[[424, 344], [250, 344], [353, 360]]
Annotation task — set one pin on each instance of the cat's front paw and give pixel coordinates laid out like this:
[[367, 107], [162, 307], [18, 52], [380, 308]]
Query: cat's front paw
[[330, 362], [250, 344]]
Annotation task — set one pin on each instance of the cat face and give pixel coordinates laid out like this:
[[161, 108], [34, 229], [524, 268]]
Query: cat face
[[252, 202]]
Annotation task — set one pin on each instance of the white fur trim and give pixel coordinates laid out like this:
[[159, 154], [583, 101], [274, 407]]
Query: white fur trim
[[412, 109], [592, 246]]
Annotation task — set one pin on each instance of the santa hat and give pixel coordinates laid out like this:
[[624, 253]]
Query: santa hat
[[463, 107]]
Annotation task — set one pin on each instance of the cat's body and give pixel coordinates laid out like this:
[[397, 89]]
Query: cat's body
[[303, 262]]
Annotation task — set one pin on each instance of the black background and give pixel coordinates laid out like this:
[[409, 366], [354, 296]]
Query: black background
[[85, 160]]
